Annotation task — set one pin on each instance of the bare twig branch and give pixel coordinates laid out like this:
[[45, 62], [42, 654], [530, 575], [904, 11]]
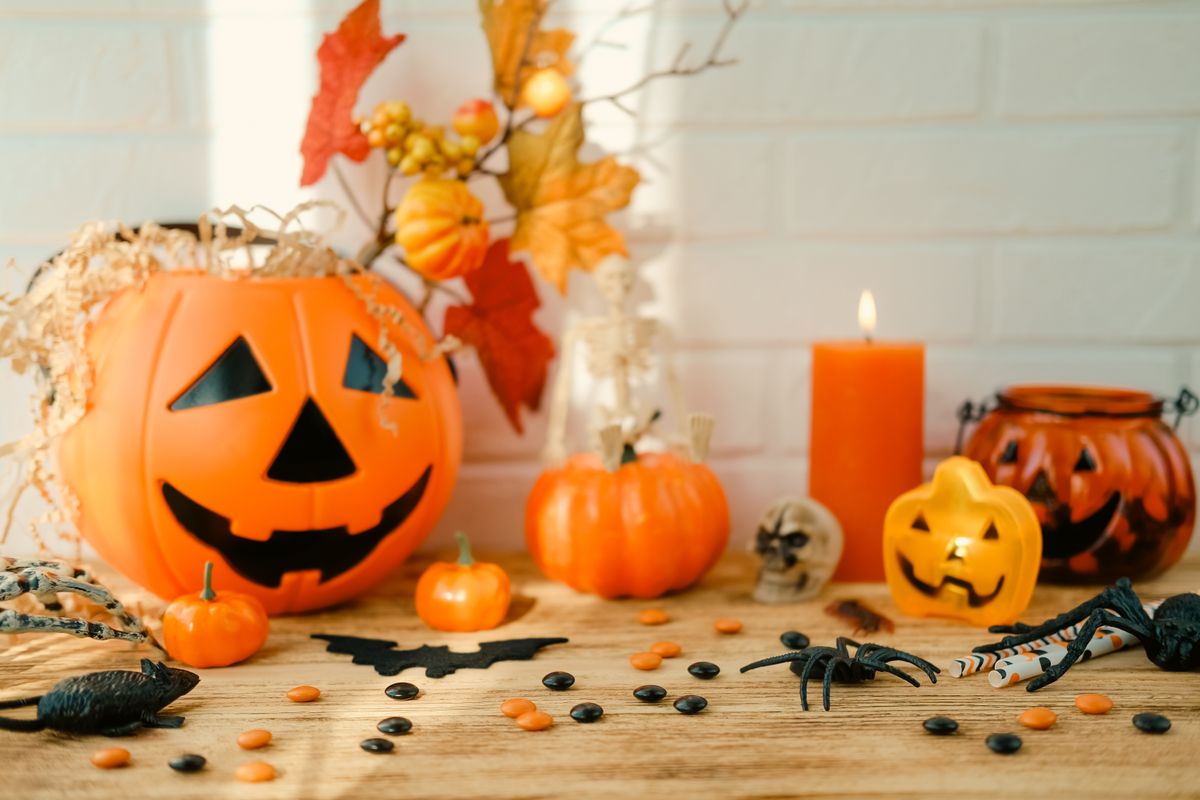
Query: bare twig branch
[[733, 11], [628, 11]]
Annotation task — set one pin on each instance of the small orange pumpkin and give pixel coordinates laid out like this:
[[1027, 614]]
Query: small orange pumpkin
[[466, 595], [202, 630], [656, 524], [441, 227]]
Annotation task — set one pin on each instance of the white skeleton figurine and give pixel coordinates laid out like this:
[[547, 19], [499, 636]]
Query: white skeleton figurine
[[44, 580], [619, 348]]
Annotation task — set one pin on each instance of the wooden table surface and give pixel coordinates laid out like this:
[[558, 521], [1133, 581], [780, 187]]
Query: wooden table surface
[[752, 741]]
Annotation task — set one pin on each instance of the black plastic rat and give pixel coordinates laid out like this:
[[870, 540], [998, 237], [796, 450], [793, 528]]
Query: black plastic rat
[[112, 703]]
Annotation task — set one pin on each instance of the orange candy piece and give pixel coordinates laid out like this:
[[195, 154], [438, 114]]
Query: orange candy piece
[[1093, 703], [653, 616], [1039, 718], [666, 649], [646, 660], [303, 694], [727, 625], [535, 721], [516, 707], [254, 739], [110, 757], [255, 772]]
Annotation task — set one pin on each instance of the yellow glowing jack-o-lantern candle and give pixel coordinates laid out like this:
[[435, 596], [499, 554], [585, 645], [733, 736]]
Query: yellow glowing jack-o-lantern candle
[[961, 547]]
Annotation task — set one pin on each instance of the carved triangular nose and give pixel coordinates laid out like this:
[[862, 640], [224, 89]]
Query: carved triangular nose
[[312, 452]]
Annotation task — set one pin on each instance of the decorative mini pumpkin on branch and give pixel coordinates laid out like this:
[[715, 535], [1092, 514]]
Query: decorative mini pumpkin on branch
[[961, 547]]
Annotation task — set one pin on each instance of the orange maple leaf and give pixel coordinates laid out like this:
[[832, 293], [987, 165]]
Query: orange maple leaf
[[347, 58], [508, 25], [561, 203], [499, 325]]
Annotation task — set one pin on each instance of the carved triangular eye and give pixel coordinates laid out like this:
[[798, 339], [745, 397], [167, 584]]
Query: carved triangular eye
[[919, 524], [235, 374], [366, 369], [1009, 456], [1085, 463], [991, 532]]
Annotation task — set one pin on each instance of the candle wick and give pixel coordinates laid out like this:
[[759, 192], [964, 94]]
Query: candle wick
[[869, 339]]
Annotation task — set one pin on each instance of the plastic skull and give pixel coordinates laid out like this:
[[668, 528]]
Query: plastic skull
[[800, 544]]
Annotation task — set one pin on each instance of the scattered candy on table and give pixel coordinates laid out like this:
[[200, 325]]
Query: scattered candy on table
[[1093, 703], [666, 649], [377, 745], [646, 661], [690, 704], [558, 681], [303, 694], [516, 707], [794, 640], [1004, 743], [394, 726], [704, 670], [650, 693], [940, 726], [653, 616], [110, 757], [402, 691], [255, 772], [586, 712], [726, 625], [535, 721], [253, 739], [1151, 723], [188, 762], [1038, 718]]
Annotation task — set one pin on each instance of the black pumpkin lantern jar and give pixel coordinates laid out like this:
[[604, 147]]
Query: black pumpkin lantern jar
[[1110, 482]]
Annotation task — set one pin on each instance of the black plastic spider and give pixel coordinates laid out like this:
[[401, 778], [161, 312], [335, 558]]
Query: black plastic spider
[[1171, 637], [836, 665]]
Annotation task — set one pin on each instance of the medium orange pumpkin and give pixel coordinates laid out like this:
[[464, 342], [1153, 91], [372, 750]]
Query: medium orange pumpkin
[[243, 421], [204, 630], [441, 227], [656, 524], [466, 595]]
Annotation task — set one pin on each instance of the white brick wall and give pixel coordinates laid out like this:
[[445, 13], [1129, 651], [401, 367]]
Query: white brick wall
[[1015, 179]]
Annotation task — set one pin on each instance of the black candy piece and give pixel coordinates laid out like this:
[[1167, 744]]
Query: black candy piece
[[587, 712], [188, 762], [1004, 743], [690, 704], [794, 640], [402, 691], [1151, 723], [394, 726], [705, 670], [558, 681], [377, 745], [941, 726], [650, 693]]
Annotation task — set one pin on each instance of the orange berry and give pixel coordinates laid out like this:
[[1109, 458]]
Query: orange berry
[[476, 118], [303, 694], [1038, 718], [727, 625], [1093, 703], [535, 721], [253, 739], [666, 649], [653, 616], [110, 757], [646, 660], [516, 707], [546, 92], [375, 138], [255, 772]]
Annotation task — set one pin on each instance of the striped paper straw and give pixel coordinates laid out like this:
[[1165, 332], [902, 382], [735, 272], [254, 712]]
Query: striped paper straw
[[978, 662], [1015, 669]]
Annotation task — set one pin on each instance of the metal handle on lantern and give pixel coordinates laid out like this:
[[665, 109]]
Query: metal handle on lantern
[[1185, 405], [968, 413]]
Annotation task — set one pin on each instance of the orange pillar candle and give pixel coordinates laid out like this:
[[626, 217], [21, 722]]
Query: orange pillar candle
[[866, 444]]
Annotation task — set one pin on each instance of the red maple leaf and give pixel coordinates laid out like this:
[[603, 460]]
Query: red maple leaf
[[347, 58], [499, 325]]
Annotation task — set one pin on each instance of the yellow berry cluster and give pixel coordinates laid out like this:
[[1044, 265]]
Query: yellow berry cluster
[[412, 146]]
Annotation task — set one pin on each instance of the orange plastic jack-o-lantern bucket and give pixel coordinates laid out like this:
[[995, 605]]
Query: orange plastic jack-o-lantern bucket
[[244, 421], [1109, 480]]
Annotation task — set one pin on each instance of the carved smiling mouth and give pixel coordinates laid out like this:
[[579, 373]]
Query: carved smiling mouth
[[974, 598], [330, 550], [1062, 538]]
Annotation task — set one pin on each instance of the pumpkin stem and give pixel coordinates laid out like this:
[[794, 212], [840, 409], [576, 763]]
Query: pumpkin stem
[[207, 592], [465, 559]]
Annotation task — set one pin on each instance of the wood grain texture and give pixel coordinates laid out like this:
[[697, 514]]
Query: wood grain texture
[[753, 741]]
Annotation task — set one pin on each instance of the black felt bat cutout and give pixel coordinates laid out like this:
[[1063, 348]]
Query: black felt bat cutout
[[438, 660]]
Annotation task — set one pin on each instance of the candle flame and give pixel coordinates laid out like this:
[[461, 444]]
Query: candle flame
[[866, 313]]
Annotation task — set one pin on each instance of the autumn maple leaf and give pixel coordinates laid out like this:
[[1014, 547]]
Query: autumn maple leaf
[[499, 325], [561, 203], [347, 58], [509, 26]]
